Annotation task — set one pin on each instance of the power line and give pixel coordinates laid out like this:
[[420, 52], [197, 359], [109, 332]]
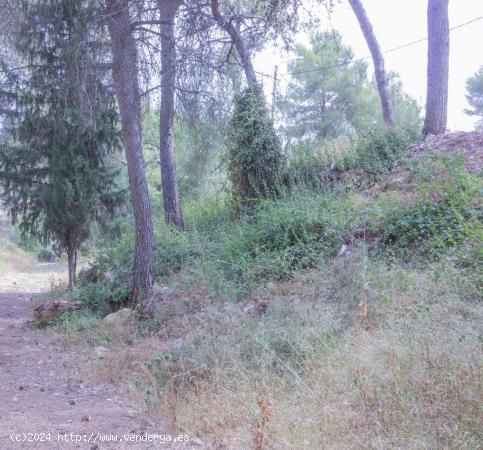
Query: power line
[[346, 63]]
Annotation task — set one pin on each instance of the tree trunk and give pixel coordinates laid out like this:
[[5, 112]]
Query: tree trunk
[[378, 60], [71, 264], [438, 68], [172, 206], [236, 40], [125, 72]]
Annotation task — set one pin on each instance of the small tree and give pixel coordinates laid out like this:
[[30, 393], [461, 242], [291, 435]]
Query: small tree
[[254, 156], [63, 123], [323, 103], [474, 95]]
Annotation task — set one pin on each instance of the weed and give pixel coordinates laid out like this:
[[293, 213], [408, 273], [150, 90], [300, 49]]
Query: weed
[[445, 215], [380, 150]]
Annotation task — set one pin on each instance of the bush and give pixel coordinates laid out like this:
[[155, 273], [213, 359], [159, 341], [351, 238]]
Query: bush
[[285, 235], [308, 168], [312, 164], [444, 216], [96, 296], [377, 152], [173, 250], [254, 158]]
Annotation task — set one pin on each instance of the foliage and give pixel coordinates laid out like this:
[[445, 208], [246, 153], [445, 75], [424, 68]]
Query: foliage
[[415, 365], [63, 124], [198, 146], [254, 159], [96, 296], [445, 215], [377, 151], [329, 95], [312, 164], [474, 95], [320, 102], [284, 236]]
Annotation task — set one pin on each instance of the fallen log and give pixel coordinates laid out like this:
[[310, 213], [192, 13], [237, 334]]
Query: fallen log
[[46, 312]]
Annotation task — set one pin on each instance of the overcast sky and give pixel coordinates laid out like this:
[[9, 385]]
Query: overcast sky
[[397, 22]]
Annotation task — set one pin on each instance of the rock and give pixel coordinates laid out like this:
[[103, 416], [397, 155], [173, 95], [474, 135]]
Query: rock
[[46, 312], [92, 274], [259, 306], [100, 352], [342, 251], [249, 309], [119, 317], [46, 256]]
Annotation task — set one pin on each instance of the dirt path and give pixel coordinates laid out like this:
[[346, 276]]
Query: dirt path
[[39, 406]]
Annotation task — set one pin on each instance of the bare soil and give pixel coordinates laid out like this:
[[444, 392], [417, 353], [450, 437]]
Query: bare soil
[[39, 400]]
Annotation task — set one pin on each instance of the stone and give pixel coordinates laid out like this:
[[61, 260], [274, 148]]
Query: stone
[[119, 317], [342, 251], [271, 286]]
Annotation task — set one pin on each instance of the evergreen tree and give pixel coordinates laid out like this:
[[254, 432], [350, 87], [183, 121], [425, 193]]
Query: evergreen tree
[[438, 68], [62, 123], [321, 102], [329, 95]]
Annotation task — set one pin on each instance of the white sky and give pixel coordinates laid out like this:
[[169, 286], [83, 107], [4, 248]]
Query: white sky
[[397, 22]]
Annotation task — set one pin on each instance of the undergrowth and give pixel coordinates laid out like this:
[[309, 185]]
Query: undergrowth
[[445, 213], [378, 347]]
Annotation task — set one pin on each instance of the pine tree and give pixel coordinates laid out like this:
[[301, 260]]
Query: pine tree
[[438, 68], [61, 121]]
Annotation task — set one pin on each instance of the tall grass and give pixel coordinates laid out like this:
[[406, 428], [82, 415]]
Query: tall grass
[[376, 346], [304, 372]]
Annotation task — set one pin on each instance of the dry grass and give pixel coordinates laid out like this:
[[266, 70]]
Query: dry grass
[[12, 258], [304, 371]]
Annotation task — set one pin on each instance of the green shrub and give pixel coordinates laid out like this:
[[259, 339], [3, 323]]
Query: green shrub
[[309, 168], [254, 159], [173, 250], [275, 239], [377, 152], [445, 215], [285, 235]]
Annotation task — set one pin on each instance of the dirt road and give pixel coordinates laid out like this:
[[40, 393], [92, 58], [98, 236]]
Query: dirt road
[[41, 406]]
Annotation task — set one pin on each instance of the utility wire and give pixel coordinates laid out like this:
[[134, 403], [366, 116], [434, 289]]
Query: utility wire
[[346, 63]]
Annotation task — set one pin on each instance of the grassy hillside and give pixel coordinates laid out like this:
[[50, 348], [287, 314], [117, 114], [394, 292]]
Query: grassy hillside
[[344, 315], [12, 258]]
